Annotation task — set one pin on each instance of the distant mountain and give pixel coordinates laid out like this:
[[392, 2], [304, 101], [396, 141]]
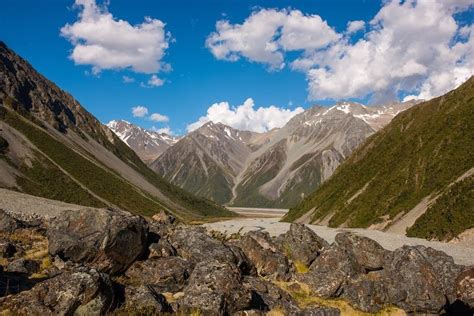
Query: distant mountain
[[50, 146], [273, 169], [147, 144], [416, 175]]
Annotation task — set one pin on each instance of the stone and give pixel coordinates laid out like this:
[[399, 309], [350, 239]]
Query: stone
[[162, 248], [464, 287], [215, 288], [80, 293], [109, 240], [301, 244], [368, 253], [266, 258], [7, 249], [193, 244], [144, 300], [22, 265], [8, 224], [168, 274], [330, 271], [163, 218]]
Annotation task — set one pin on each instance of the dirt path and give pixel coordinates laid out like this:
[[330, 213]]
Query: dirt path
[[463, 253]]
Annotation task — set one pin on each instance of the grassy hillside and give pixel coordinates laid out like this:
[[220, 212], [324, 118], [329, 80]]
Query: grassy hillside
[[419, 153]]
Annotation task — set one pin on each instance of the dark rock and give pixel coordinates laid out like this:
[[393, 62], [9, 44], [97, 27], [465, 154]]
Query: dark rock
[[194, 244], [162, 248], [319, 311], [330, 271], [109, 240], [144, 300], [215, 288], [168, 274], [7, 249], [265, 256], [8, 224], [80, 293], [412, 282], [22, 266], [242, 261], [367, 295], [368, 253], [301, 244], [464, 287], [267, 296]]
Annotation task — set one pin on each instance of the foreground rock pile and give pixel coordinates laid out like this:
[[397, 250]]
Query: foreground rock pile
[[96, 262]]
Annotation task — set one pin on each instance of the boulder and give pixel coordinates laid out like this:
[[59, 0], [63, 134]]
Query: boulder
[[7, 249], [413, 284], [265, 256], [22, 266], [168, 274], [163, 218], [80, 293], [301, 244], [162, 248], [144, 300], [330, 271], [193, 244], [215, 288], [368, 253], [367, 295], [319, 311], [8, 224], [109, 240], [464, 287], [267, 296]]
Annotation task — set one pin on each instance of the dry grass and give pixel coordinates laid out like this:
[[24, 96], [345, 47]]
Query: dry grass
[[305, 298], [300, 267]]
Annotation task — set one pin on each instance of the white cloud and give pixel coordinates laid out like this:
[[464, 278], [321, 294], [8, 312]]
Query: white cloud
[[163, 130], [246, 117], [355, 26], [104, 42], [157, 117], [155, 81], [413, 47], [139, 111], [267, 34], [127, 79]]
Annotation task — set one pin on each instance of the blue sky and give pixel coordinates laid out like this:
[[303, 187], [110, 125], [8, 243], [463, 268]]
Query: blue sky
[[198, 77]]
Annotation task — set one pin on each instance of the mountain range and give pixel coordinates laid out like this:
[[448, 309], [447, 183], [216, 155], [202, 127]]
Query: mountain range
[[414, 176], [273, 169], [50, 146]]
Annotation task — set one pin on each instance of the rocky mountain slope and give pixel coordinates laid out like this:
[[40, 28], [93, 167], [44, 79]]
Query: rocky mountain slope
[[147, 144], [273, 169], [50, 146], [109, 262], [417, 173]]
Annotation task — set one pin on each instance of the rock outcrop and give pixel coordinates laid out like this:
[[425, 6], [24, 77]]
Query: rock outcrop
[[109, 261]]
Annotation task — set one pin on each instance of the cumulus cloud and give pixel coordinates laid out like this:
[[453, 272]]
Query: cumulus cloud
[[355, 26], [412, 47], [246, 117], [267, 34], [139, 111], [163, 130], [155, 81], [105, 42], [157, 117]]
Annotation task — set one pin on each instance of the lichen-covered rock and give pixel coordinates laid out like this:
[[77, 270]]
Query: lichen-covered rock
[[319, 311], [267, 296], [144, 300], [368, 253], [215, 288], [162, 248], [7, 249], [193, 244], [265, 256], [109, 240], [8, 224], [163, 218], [168, 274], [78, 293], [330, 271], [301, 244], [22, 265], [464, 287]]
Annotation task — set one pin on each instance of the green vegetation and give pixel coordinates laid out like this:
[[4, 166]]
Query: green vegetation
[[96, 178], [420, 152], [450, 215]]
